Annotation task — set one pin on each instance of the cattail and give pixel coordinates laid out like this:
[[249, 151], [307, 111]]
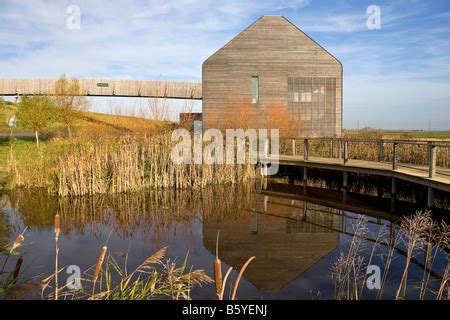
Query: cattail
[[57, 224], [98, 267], [17, 243], [218, 269]]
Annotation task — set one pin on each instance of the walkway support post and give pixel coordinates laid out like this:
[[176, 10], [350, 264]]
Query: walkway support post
[[305, 149], [393, 187], [432, 152], [345, 151], [394, 155], [345, 180], [293, 147], [430, 198], [305, 180], [393, 194]]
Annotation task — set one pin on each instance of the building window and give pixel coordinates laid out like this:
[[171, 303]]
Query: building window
[[313, 101], [255, 89]]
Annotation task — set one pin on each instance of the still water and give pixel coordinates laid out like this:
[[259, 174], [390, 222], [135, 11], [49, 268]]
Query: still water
[[295, 237]]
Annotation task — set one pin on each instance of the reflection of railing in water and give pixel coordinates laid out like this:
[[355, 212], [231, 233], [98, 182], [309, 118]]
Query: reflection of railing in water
[[393, 228]]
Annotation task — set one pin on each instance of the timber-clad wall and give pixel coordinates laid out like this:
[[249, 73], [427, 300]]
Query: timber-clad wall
[[273, 49], [120, 88]]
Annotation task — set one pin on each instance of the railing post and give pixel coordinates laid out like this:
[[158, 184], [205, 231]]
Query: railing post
[[293, 147], [394, 155], [331, 148], [305, 149], [339, 148], [345, 151], [381, 151], [431, 160]]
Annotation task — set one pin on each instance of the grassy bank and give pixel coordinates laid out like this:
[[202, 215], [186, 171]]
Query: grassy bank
[[88, 123]]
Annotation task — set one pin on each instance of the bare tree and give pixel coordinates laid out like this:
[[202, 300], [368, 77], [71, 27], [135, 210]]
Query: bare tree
[[158, 108], [69, 100]]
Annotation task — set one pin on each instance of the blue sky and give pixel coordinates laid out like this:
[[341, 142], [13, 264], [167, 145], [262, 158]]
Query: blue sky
[[396, 77]]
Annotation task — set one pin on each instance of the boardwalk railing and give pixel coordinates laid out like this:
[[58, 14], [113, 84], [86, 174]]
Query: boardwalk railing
[[417, 152]]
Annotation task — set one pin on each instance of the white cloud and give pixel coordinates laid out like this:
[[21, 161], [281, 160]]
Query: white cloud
[[170, 39]]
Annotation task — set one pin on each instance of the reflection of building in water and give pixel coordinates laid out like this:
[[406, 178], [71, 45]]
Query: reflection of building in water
[[287, 237]]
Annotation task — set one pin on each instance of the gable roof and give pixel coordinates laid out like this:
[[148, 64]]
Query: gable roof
[[273, 17]]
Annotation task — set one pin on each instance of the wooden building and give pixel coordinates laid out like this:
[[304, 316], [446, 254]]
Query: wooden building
[[272, 75]]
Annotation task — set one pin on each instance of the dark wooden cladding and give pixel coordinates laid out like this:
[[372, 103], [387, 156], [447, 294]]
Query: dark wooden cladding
[[273, 49]]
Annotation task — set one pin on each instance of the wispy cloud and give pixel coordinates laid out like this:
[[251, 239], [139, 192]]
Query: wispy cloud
[[405, 64]]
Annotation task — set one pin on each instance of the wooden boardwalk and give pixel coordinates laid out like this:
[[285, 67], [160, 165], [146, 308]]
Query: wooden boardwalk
[[413, 173]]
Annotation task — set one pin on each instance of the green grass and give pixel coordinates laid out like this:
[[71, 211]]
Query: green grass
[[22, 152], [420, 134], [395, 134]]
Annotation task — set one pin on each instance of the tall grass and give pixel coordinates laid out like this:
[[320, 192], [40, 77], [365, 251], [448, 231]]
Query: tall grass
[[110, 279], [419, 235], [115, 165]]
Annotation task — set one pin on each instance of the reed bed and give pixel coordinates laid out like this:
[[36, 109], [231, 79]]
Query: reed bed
[[109, 279], [420, 237], [130, 163]]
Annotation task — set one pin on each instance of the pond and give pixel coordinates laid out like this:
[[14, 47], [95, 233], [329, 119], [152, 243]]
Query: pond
[[295, 236]]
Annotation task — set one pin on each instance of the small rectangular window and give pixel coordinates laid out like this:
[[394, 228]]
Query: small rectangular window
[[255, 89]]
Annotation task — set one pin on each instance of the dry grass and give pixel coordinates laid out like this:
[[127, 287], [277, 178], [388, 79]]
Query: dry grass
[[154, 278], [115, 165], [419, 235]]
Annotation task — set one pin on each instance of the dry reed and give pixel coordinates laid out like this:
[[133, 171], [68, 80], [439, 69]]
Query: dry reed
[[57, 231], [121, 164]]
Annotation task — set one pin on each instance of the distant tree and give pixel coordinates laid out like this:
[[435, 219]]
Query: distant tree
[[69, 100], [37, 113]]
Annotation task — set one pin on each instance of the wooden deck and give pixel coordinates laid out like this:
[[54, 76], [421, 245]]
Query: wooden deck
[[413, 173]]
